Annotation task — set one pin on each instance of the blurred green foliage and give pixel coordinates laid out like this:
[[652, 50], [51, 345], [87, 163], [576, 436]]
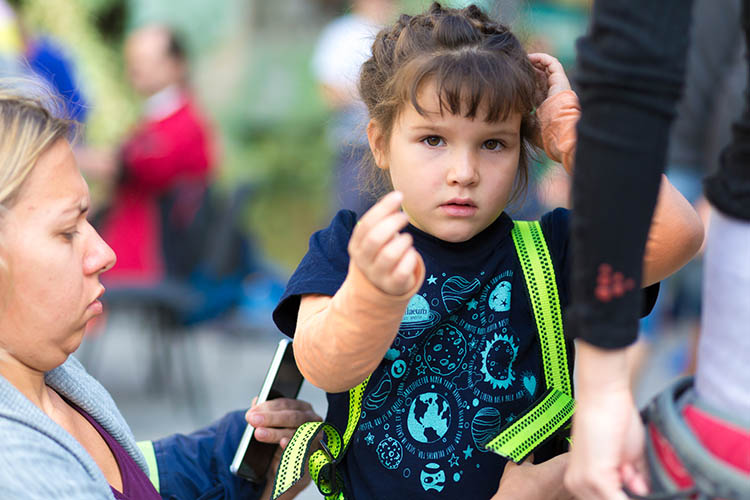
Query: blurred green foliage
[[98, 64]]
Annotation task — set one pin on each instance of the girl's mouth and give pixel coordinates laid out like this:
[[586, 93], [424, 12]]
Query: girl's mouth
[[459, 208]]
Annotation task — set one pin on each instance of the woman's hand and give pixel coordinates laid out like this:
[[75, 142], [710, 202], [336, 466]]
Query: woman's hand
[[551, 77], [381, 251], [275, 421], [527, 481]]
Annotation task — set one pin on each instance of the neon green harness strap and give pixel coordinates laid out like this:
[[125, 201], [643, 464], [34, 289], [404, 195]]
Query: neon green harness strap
[[323, 462], [542, 420]]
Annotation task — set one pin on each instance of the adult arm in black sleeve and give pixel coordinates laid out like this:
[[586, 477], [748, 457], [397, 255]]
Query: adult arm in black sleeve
[[631, 66]]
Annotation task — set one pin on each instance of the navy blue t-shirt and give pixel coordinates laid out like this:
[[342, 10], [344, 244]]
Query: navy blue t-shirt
[[466, 361]]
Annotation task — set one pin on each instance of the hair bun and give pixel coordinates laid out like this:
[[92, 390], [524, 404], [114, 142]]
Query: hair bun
[[453, 31]]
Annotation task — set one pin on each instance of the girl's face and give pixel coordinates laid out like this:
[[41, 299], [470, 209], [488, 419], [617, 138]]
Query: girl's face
[[51, 261], [456, 173]]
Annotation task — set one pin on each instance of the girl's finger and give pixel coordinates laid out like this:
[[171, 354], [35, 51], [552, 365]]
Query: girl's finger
[[389, 204], [404, 271], [381, 234], [391, 253]]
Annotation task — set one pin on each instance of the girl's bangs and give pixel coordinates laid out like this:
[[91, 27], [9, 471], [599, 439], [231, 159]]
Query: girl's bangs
[[467, 80]]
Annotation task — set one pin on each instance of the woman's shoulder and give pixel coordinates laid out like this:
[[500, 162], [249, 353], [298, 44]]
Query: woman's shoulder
[[35, 448], [35, 464]]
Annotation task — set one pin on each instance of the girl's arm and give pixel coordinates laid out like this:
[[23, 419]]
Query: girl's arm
[[676, 231], [340, 340]]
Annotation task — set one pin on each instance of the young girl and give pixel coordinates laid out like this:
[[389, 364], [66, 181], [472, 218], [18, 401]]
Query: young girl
[[425, 292]]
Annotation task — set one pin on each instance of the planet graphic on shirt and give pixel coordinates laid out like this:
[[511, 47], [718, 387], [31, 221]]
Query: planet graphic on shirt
[[498, 358], [390, 453], [499, 300], [456, 290], [429, 417], [445, 350], [417, 318], [381, 391], [485, 426]]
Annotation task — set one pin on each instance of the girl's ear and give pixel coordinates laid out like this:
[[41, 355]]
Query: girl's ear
[[376, 138]]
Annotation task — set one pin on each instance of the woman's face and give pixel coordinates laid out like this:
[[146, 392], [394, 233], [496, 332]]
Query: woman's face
[[52, 258]]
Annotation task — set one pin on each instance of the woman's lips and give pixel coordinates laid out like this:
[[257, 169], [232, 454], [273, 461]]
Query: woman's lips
[[96, 307]]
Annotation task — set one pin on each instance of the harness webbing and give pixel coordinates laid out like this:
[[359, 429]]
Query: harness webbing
[[516, 441], [323, 462], [543, 419]]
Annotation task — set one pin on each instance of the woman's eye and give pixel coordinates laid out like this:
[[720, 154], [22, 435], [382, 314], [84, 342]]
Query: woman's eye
[[433, 141], [69, 235], [493, 145]]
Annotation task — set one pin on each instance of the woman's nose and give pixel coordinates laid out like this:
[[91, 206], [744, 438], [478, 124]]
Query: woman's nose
[[99, 257]]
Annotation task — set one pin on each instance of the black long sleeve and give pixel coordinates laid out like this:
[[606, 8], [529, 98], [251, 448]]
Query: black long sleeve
[[630, 72]]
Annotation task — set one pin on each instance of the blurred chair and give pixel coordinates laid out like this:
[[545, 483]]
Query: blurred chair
[[208, 261]]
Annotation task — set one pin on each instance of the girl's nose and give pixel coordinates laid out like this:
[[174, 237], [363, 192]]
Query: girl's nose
[[464, 169]]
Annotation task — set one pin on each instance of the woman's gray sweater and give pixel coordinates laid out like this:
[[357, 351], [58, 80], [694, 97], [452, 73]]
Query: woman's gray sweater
[[41, 460]]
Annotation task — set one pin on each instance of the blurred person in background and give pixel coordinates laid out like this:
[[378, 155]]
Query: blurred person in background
[[40, 55], [711, 102], [48, 58], [340, 51], [171, 147], [62, 435]]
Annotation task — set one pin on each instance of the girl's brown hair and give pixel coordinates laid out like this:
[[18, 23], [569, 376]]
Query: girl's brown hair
[[474, 63]]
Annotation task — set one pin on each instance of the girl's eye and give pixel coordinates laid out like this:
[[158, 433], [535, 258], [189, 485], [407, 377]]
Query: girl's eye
[[433, 141], [493, 145]]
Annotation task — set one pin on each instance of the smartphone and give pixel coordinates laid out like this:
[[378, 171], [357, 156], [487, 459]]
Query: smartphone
[[283, 380]]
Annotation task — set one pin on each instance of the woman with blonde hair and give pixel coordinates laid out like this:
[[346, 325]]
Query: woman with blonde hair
[[61, 434]]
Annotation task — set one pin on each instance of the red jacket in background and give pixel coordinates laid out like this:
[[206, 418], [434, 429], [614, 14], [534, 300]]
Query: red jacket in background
[[162, 153]]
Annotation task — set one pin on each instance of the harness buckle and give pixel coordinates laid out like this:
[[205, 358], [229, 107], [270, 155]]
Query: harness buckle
[[329, 471]]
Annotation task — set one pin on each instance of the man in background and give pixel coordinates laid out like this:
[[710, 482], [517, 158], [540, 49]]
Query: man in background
[[169, 153]]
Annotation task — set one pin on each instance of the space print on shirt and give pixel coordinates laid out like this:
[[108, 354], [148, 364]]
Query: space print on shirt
[[437, 398], [465, 363]]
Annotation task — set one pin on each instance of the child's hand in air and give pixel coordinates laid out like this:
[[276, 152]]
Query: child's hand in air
[[551, 77], [384, 254]]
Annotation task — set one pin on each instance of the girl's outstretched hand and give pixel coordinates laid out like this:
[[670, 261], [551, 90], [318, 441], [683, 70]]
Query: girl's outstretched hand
[[551, 77], [381, 251]]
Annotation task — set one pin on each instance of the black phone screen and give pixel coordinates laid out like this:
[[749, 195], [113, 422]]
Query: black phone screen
[[286, 384]]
